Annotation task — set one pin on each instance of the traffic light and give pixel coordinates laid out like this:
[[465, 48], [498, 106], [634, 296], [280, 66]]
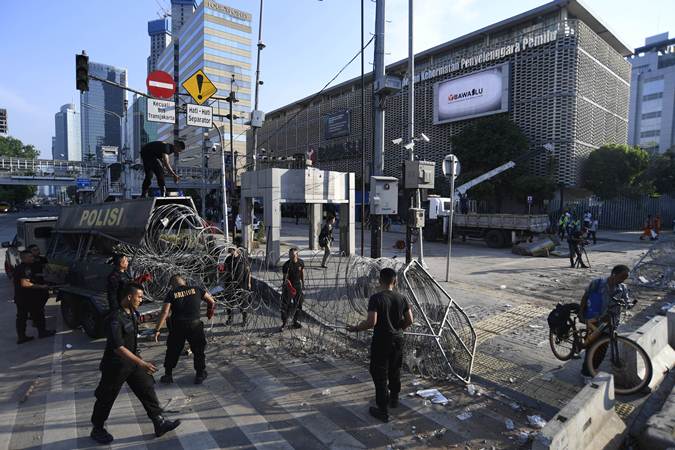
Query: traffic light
[[82, 72]]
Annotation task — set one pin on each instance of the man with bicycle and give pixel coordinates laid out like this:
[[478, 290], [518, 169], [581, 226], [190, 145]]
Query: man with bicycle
[[595, 303]]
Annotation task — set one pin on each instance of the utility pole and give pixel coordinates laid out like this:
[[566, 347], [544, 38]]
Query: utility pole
[[232, 99], [363, 136], [378, 107], [411, 127], [257, 87]]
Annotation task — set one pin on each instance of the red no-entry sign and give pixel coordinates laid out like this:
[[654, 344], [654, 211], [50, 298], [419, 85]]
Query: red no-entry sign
[[160, 84]]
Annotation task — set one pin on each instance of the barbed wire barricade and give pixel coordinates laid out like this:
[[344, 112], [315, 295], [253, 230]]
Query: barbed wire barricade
[[440, 344], [656, 269]]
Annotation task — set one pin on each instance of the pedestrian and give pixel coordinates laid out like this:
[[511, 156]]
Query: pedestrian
[[595, 303], [117, 279], [292, 295], [154, 155], [389, 314], [573, 224], [237, 284], [647, 228], [29, 298], [593, 230], [562, 224], [184, 301], [326, 239], [588, 217], [122, 363], [575, 240], [463, 203]]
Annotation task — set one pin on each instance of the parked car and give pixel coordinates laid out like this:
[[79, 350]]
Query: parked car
[[5, 207]]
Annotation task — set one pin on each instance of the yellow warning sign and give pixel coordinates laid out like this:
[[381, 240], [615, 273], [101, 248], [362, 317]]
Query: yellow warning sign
[[199, 87]]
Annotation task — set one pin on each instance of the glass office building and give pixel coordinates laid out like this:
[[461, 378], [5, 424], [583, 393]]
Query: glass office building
[[158, 30], [67, 140], [100, 110], [140, 131], [216, 39]]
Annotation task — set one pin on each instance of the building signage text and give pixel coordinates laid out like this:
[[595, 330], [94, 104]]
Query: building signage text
[[228, 10]]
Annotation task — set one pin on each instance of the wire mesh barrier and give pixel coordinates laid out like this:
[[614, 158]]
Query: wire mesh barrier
[[440, 344], [656, 269]]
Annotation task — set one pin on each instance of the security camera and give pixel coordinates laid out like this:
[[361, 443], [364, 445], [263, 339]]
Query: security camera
[[397, 141], [409, 146], [424, 137]]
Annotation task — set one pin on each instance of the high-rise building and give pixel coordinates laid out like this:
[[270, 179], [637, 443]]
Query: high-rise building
[[181, 11], [101, 111], [3, 122], [216, 39], [67, 145], [139, 130], [652, 95], [158, 30]]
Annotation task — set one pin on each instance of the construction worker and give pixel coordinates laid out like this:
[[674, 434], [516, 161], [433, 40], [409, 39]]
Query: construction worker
[[28, 297], [389, 314], [154, 155], [121, 363], [184, 304], [562, 224], [117, 279]]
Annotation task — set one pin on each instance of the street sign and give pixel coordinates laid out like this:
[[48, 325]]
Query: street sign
[[163, 111], [199, 87], [451, 166], [83, 182], [199, 116], [160, 84], [529, 199]]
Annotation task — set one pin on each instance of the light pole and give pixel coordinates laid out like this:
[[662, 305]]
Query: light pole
[[223, 183], [450, 169], [232, 99]]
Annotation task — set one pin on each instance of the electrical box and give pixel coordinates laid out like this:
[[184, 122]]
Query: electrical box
[[416, 217], [390, 85], [257, 118], [419, 174], [383, 195]]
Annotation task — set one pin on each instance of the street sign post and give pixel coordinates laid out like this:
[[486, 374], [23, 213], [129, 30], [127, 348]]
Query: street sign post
[[83, 183], [199, 116], [451, 168], [163, 111], [160, 84], [199, 87]]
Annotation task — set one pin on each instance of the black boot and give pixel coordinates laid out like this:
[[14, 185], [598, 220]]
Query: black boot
[[167, 378], [46, 333], [101, 435], [393, 401], [201, 376], [379, 414], [163, 426]]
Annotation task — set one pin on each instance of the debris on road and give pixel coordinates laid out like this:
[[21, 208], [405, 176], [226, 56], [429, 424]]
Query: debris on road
[[464, 416], [509, 424], [30, 390], [536, 421], [434, 395]]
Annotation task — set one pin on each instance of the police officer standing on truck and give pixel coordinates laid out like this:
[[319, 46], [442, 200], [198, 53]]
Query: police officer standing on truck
[[155, 157], [122, 363], [117, 279], [29, 296], [184, 303]]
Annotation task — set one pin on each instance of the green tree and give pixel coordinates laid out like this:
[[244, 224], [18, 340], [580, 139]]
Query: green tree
[[487, 143], [661, 173], [12, 147], [616, 170]]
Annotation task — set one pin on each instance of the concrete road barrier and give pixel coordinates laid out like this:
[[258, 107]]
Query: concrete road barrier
[[587, 421], [670, 317], [653, 338]]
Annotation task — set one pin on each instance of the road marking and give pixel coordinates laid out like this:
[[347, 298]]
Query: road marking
[[60, 425], [254, 426], [123, 424], [8, 412], [324, 429]]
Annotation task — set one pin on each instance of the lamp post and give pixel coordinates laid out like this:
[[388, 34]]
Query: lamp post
[[451, 170]]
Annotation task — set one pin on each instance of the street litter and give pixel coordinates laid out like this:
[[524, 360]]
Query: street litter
[[325, 392], [503, 286], [464, 416], [416, 382], [509, 424], [434, 395], [535, 326], [512, 380], [69, 346], [536, 421], [471, 389], [643, 279], [514, 406], [523, 436]]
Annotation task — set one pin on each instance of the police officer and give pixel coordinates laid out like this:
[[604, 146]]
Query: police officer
[[38, 268], [155, 157], [291, 291], [184, 303], [117, 279], [122, 363], [29, 296], [389, 314], [326, 239], [237, 283]]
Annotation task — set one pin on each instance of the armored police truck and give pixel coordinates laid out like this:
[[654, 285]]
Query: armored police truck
[[80, 250]]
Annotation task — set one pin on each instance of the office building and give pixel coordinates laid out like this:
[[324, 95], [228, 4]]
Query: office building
[[139, 130], [101, 111], [556, 71], [652, 95], [67, 144], [216, 39], [3, 122], [158, 30], [181, 11]]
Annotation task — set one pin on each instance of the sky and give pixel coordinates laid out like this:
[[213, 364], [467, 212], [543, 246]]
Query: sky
[[308, 42]]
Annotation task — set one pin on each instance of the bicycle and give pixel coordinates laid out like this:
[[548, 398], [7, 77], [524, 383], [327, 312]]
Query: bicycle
[[628, 361]]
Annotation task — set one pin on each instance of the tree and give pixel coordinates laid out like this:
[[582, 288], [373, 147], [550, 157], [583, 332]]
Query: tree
[[14, 148], [661, 173], [616, 170], [487, 143]]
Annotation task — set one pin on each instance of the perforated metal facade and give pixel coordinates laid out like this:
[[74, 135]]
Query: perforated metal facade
[[571, 91]]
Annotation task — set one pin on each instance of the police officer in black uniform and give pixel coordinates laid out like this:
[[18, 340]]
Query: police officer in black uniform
[[29, 296], [184, 304], [117, 279], [122, 363], [292, 295], [154, 155], [389, 314], [237, 283], [38, 268]]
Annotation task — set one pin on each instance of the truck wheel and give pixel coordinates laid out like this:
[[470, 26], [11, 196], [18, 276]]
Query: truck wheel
[[494, 239], [69, 312], [92, 322]]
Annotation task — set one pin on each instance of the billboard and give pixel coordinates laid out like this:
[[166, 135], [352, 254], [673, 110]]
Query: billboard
[[337, 125], [477, 94]]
